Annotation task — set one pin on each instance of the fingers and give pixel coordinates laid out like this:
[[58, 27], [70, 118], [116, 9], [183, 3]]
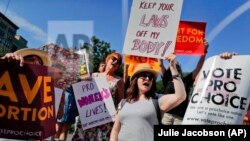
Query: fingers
[[14, 57], [227, 55], [171, 59], [21, 60], [86, 78]]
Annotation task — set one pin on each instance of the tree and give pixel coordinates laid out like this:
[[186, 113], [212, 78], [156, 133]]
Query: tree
[[3, 51], [160, 87], [98, 50]]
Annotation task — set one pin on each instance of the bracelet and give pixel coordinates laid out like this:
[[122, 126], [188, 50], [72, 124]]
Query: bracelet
[[176, 76]]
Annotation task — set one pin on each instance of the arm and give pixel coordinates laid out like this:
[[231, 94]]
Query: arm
[[120, 90], [125, 73], [227, 55], [170, 101], [162, 68], [116, 129], [200, 62], [165, 73]]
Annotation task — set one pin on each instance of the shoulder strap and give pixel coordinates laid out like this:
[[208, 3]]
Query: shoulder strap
[[157, 109]]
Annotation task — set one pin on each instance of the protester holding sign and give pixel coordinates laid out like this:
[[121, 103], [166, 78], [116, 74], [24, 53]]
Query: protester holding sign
[[39, 96], [221, 94], [176, 115], [131, 61], [61, 58], [69, 63], [116, 86], [136, 118]]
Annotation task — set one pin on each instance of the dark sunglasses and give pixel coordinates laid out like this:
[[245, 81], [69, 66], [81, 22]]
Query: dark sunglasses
[[145, 75], [115, 59]]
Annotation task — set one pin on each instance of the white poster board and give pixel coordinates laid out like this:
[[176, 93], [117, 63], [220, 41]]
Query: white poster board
[[222, 93], [152, 28], [58, 96], [94, 102]]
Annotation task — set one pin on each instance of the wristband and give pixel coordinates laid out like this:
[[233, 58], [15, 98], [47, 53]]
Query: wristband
[[176, 76]]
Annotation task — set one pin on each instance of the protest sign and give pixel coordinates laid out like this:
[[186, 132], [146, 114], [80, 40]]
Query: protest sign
[[190, 38], [27, 108], [94, 102], [134, 60], [221, 95], [58, 98], [152, 28]]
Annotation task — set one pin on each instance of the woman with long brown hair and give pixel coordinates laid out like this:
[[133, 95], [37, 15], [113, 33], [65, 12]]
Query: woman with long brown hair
[[136, 119]]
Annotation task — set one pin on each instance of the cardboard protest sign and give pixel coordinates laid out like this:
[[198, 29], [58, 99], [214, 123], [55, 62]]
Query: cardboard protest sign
[[94, 102], [152, 28], [27, 109], [190, 38], [221, 95], [134, 60], [84, 69]]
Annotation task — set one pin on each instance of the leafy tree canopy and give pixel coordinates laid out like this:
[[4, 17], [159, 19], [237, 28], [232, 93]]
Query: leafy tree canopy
[[99, 50]]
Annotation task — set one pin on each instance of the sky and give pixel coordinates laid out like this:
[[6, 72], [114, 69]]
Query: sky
[[227, 30]]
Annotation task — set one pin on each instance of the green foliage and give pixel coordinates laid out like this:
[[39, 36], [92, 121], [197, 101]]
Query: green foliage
[[98, 50], [2, 51], [160, 87]]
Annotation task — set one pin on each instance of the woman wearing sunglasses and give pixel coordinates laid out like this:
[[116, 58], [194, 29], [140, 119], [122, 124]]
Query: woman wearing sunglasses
[[136, 119], [116, 86]]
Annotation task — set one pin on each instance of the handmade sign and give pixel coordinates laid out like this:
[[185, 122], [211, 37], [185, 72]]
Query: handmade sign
[[27, 108], [222, 93], [152, 28], [94, 102], [190, 38]]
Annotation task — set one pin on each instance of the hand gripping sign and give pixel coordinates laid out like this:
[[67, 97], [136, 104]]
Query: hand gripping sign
[[27, 102], [221, 95]]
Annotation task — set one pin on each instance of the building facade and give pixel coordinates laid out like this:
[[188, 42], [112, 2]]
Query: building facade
[[19, 43], [7, 34]]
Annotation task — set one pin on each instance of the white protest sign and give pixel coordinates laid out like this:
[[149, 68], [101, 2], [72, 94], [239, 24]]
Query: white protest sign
[[94, 102], [152, 28], [222, 93], [58, 96]]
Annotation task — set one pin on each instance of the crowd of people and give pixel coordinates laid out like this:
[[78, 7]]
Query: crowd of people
[[137, 115]]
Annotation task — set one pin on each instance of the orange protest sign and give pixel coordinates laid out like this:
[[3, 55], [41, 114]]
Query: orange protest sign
[[190, 38], [134, 60]]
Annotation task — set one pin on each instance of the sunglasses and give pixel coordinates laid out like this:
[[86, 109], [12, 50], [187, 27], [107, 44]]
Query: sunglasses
[[150, 76], [115, 59]]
